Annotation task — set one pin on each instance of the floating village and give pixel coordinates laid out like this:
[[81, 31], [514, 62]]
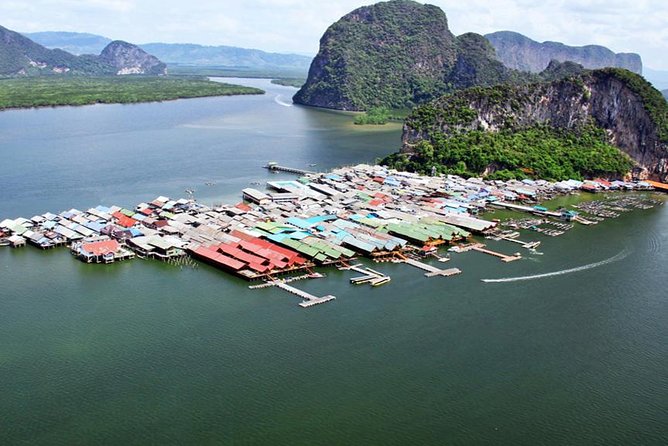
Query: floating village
[[275, 237]]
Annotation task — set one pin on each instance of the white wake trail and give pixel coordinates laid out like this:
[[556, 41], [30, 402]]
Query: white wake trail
[[612, 259], [277, 99]]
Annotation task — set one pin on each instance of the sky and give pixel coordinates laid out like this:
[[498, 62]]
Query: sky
[[639, 26]]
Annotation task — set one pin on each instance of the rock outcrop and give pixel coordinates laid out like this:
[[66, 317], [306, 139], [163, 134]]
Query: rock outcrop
[[633, 114], [522, 53], [127, 58]]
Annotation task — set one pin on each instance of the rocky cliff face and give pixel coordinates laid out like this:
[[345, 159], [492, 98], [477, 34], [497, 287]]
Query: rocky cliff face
[[127, 58], [521, 53], [397, 53], [629, 109]]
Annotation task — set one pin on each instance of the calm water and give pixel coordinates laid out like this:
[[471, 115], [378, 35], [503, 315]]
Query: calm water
[[146, 353]]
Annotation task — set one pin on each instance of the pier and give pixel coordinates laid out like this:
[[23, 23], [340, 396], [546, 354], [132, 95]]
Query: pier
[[372, 277], [503, 257], [519, 207], [527, 245], [432, 271], [276, 167], [310, 299]]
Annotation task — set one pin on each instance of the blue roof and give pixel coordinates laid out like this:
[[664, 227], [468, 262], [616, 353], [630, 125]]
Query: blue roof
[[321, 218], [103, 209], [299, 222]]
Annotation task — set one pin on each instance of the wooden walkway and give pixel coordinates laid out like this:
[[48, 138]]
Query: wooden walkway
[[310, 299], [432, 271], [276, 167], [519, 207], [503, 257]]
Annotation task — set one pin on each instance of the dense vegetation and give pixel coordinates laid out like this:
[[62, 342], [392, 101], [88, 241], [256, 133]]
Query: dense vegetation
[[374, 116], [393, 54], [52, 91], [536, 152], [289, 82]]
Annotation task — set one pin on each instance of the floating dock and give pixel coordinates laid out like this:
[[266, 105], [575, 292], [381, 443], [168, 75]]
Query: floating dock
[[432, 271], [310, 299], [503, 257], [527, 245], [372, 277]]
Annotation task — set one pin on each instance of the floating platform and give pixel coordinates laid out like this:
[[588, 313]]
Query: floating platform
[[310, 299], [432, 271], [503, 257], [372, 277]]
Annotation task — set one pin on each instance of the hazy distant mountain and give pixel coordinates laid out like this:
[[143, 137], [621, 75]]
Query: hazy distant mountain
[[192, 54], [179, 53], [75, 43], [665, 94], [20, 56], [522, 53], [658, 78]]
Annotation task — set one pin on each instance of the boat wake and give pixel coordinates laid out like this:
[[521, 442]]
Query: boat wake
[[612, 259], [279, 101]]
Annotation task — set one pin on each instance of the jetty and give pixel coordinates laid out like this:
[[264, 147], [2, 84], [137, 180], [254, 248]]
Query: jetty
[[504, 258], [432, 271], [537, 210], [309, 299], [527, 245], [278, 168], [370, 276]]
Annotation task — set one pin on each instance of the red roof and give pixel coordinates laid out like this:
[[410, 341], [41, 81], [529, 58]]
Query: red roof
[[243, 206], [285, 252], [101, 248], [238, 254], [218, 258], [126, 221]]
